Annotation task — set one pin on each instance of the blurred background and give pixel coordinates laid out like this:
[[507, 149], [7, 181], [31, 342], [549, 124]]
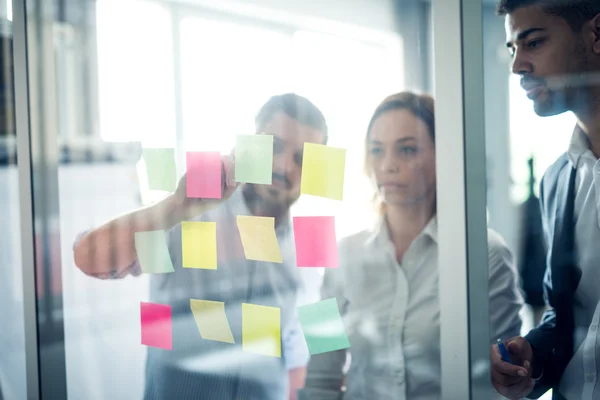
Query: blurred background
[[108, 77]]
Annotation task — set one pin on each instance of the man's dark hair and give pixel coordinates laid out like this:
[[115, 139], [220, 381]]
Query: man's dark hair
[[575, 12], [295, 106]]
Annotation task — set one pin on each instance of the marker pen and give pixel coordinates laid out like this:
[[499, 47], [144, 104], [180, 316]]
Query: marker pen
[[503, 352]]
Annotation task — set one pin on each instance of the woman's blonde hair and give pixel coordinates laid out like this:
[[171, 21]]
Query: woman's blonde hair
[[420, 105]]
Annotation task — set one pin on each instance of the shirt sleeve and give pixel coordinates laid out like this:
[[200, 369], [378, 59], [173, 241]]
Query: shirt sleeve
[[506, 299], [294, 345]]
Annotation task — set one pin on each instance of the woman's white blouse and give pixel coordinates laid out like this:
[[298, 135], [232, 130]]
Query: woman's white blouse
[[391, 314]]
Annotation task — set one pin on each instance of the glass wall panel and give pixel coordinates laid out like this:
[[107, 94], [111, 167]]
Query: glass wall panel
[[238, 200]]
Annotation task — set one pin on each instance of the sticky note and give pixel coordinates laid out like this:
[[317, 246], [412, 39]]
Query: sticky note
[[153, 254], [323, 171], [160, 168], [199, 244], [323, 327], [157, 325], [254, 159], [261, 330], [203, 175], [259, 239], [211, 320], [316, 244]]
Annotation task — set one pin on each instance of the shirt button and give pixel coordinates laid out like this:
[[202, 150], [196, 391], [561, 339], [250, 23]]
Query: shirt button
[[590, 378], [594, 328]]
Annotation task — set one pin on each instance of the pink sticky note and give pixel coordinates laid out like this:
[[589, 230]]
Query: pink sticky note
[[316, 245], [157, 326], [203, 175]]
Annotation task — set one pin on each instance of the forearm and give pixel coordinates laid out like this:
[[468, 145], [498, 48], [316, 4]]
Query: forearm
[[111, 246]]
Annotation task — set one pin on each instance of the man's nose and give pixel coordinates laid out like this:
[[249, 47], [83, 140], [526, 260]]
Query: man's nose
[[520, 65], [285, 165]]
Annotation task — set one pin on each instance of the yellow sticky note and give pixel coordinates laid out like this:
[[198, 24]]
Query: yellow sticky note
[[323, 171], [259, 239], [199, 244], [261, 330], [211, 320]]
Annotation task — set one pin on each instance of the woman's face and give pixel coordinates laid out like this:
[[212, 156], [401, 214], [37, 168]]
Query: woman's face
[[401, 158]]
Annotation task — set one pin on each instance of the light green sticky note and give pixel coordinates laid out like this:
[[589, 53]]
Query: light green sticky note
[[160, 168], [323, 171], [323, 327], [254, 159], [153, 254]]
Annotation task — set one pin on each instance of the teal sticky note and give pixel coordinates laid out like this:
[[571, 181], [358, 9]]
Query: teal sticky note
[[153, 254], [323, 327], [160, 168], [254, 159]]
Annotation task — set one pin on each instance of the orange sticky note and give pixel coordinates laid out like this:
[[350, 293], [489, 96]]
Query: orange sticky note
[[259, 239], [211, 320]]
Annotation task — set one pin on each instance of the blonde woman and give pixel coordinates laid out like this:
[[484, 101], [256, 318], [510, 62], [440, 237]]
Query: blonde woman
[[387, 282]]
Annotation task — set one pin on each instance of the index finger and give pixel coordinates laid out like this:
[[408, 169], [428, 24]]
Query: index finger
[[228, 171]]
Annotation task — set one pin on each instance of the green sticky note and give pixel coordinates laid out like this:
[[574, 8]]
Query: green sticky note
[[323, 327], [160, 168], [153, 254], [254, 159]]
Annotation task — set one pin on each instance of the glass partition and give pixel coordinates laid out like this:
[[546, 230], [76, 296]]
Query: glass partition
[[12, 339], [262, 200]]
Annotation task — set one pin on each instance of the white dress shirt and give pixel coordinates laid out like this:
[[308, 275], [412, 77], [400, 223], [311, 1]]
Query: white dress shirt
[[579, 380], [391, 313]]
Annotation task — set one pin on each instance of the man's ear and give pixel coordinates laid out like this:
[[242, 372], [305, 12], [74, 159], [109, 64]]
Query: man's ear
[[595, 26]]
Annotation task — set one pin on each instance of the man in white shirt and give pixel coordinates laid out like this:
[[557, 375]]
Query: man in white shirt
[[555, 46]]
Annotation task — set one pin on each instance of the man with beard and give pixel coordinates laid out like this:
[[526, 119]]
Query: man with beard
[[204, 369], [555, 46]]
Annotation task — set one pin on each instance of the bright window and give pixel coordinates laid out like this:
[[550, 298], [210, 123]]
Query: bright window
[[230, 70], [544, 138], [135, 68]]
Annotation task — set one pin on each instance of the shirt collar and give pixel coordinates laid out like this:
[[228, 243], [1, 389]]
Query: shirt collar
[[381, 232], [579, 146]]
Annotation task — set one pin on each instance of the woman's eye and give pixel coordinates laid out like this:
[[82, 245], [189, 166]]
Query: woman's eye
[[376, 151]]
